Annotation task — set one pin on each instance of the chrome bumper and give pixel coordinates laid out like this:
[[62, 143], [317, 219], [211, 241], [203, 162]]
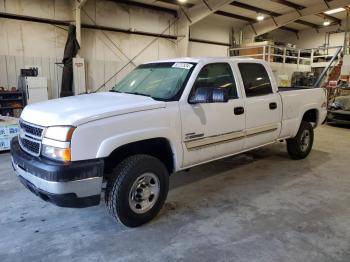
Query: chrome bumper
[[82, 188], [73, 184]]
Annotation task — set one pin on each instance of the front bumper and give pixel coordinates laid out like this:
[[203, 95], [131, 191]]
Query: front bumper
[[74, 184]]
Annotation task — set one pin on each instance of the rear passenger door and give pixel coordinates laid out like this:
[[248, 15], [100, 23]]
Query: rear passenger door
[[263, 106]]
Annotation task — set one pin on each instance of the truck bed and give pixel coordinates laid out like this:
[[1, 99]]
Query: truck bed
[[297, 101], [289, 88]]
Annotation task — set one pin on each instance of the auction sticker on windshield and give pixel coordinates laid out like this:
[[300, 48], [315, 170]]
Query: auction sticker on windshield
[[183, 65]]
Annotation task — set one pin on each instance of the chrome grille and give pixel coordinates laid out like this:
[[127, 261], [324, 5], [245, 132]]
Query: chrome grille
[[32, 130], [30, 137], [30, 145]]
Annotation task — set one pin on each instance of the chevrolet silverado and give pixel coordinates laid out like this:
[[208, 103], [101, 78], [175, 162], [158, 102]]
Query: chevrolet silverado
[[163, 117]]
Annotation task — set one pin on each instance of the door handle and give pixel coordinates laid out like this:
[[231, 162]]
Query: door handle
[[238, 110], [273, 106]]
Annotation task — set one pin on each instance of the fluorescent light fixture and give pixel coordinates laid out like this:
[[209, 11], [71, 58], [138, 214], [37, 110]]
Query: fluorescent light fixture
[[333, 11], [326, 23], [260, 17], [182, 1]]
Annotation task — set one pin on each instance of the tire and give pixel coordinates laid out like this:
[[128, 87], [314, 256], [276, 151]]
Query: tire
[[300, 146], [129, 192]]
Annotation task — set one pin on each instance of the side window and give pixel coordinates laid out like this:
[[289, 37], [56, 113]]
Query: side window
[[255, 79], [217, 75]]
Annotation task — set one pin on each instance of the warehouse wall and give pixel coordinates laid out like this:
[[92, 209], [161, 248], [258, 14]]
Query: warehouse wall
[[108, 52], [210, 29], [28, 43], [24, 43], [311, 38]]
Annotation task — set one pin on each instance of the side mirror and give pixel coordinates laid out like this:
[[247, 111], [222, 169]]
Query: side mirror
[[209, 95]]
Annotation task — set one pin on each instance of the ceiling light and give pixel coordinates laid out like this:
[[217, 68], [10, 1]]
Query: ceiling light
[[326, 22], [182, 1], [260, 17], [333, 11]]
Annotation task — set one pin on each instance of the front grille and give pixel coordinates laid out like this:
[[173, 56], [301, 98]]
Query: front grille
[[30, 137], [31, 146], [32, 130]]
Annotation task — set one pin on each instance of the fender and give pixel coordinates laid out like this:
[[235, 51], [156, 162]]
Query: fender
[[304, 109], [110, 144]]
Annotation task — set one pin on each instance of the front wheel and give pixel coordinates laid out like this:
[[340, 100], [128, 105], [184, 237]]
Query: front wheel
[[300, 146], [137, 190]]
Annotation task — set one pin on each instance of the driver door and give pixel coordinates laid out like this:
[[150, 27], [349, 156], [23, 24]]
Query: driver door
[[213, 130]]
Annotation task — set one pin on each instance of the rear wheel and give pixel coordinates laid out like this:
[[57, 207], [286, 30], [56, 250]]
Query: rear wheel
[[300, 146], [137, 190]]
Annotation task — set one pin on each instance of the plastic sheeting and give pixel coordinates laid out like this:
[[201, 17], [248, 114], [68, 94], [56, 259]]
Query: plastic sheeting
[[70, 51]]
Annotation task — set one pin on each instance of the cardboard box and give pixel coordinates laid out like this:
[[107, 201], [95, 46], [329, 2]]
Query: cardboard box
[[8, 129], [7, 120], [5, 143], [12, 130], [3, 131], [8, 126]]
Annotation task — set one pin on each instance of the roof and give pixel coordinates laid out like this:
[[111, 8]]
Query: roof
[[204, 59]]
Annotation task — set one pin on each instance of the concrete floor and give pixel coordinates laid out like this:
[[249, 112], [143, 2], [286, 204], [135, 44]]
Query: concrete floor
[[259, 206]]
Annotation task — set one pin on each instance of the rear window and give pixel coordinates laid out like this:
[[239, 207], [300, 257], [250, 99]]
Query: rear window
[[255, 79]]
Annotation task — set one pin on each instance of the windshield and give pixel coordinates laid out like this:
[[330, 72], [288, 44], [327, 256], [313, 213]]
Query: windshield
[[163, 81]]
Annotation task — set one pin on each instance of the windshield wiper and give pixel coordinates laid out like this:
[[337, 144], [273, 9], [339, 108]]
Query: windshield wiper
[[137, 93], [131, 93]]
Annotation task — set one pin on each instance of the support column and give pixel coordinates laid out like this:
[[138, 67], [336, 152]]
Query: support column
[[190, 16], [78, 24], [183, 32], [78, 5]]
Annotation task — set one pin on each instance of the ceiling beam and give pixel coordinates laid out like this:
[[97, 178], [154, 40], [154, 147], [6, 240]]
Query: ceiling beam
[[189, 5], [88, 26], [270, 13], [250, 20], [175, 2], [289, 4], [203, 9], [226, 14], [254, 8], [273, 23], [147, 6], [299, 7], [231, 15]]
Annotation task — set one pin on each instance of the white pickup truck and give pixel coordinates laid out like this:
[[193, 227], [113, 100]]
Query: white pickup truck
[[163, 117]]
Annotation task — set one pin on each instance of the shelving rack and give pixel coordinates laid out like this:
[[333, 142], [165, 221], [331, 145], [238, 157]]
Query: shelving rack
[[11, 100]]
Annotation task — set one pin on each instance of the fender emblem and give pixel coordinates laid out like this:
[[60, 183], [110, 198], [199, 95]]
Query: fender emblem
[[192, 136]]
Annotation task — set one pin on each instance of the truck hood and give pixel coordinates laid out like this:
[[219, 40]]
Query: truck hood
[[77, 110]]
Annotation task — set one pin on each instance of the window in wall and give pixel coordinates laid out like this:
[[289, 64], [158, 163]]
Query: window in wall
[[255, 79], [217, 75]]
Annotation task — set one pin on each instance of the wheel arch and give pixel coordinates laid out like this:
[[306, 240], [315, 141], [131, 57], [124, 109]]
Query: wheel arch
[[158, 147], [309, 114]]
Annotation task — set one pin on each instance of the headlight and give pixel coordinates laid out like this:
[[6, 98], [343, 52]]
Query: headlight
[[56, 143], [60, 154], [59, 133]]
